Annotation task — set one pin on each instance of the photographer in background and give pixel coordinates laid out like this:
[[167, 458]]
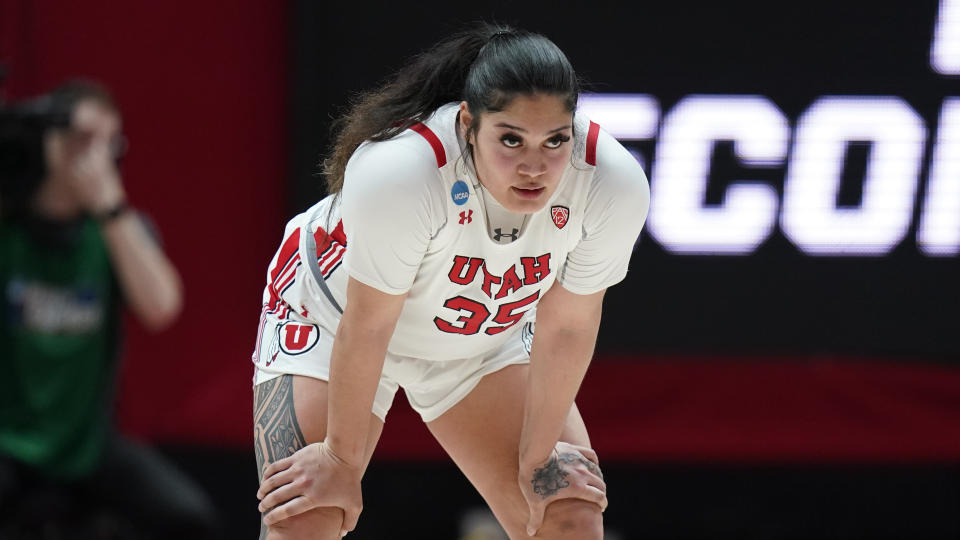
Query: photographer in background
[[72, 251]]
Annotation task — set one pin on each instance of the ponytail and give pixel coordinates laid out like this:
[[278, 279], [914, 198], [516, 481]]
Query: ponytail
[[486, 67]]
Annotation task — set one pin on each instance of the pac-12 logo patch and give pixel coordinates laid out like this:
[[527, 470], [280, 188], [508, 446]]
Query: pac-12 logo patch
[[297, 338], [560, 215], [460, 192]]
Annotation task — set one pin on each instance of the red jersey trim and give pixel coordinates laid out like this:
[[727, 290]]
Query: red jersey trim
[[592, 136], [336, 240], [434, 141], [281, 271], [323, 239]]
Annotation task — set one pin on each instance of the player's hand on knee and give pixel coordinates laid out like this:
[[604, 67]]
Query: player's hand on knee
[[313, 477], [570, 472]]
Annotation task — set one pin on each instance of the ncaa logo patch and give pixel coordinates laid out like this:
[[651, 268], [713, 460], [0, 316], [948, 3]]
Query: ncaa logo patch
[[560, 215], [297, 338], [460, 193]]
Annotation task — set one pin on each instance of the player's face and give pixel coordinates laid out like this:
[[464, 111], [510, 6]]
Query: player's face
[[521, 152]]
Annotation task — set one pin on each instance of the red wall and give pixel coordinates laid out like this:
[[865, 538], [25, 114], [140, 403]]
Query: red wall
[[202, 86]]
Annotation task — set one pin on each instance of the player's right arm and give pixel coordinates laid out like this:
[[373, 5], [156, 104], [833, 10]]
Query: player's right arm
[[388, 203], [328, 474], [357, 361], [387, 209]]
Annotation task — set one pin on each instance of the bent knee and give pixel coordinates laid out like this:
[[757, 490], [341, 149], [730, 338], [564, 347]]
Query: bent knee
[[316, 524], [572, 519]]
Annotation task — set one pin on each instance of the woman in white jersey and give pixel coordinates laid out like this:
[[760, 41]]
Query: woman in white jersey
[[468, 201]]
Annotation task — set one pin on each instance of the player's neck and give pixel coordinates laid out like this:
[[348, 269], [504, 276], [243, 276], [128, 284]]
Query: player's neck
[[503, 225]]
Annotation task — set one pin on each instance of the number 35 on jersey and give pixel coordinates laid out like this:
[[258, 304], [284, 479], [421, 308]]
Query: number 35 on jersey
[[473, 314]]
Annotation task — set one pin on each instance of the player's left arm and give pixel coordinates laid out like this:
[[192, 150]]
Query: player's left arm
[[568, 315], [568, 319], [567, 326]]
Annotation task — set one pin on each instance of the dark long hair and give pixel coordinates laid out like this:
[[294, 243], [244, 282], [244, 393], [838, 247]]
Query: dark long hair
[[487, 67]]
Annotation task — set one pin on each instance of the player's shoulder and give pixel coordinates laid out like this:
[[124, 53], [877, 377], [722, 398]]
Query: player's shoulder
[[412, 157], [617, 173], [398, 168], [613, 159], [594, 147], [405, 155]]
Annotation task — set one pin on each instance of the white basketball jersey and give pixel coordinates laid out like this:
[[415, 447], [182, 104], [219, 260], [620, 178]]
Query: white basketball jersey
[[466, 293]]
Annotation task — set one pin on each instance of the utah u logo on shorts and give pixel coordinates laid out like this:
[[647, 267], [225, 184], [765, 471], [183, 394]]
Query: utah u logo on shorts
[[297, 338]]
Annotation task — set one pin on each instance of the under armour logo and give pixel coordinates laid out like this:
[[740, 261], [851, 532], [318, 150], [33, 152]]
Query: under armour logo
[[466, 217], [499, 234]]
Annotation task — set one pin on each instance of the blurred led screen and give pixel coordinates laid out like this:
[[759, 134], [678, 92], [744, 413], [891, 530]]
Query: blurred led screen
[[800, 216], [804, 161]]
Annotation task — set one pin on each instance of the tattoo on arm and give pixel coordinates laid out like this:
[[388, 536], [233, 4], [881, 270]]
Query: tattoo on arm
[[570, 457], [549, 479]]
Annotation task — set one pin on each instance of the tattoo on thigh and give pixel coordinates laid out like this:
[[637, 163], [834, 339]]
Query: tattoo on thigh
[[276, 432], [261, 392], [549, 479]]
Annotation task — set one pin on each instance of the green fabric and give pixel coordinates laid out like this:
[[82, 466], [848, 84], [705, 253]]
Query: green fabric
[[57, 332]]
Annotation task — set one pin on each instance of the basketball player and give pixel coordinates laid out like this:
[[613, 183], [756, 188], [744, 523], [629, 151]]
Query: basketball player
[[469, 204]]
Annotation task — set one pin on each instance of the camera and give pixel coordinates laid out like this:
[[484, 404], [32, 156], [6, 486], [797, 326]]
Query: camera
[[23, 127]]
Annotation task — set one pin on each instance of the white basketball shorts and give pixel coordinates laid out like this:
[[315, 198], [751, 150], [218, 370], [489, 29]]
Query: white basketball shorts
[[299, 347]]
